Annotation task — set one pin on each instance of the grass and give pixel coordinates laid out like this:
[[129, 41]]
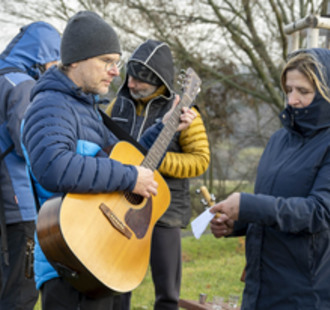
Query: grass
[[211, 266]]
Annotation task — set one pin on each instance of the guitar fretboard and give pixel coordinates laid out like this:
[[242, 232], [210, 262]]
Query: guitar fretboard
[[163, 140]]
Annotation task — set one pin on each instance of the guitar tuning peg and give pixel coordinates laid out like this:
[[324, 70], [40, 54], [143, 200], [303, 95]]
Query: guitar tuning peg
[[212, 197], [198, 191], [204, 202], [182, 75]]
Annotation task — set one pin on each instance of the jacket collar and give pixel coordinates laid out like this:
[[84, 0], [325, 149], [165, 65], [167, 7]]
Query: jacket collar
[[55, 80], [309, 120]]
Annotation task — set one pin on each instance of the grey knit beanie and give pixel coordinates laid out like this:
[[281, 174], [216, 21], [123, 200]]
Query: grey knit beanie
[[87, 35]]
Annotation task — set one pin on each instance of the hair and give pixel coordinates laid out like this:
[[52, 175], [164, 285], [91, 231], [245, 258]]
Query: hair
[[311, 68], [63, 68]]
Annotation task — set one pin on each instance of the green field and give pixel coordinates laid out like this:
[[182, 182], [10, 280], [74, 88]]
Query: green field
[[211, 266]]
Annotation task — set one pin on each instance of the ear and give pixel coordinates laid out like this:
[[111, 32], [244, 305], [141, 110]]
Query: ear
[[74, 65], [51, 63]]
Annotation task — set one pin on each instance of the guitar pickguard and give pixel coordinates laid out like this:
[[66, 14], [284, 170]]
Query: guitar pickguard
[[139, 220]]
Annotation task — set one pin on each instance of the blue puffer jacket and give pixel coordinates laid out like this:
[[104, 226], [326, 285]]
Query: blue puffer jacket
[[288, 219], [36, 44], [61, 127]]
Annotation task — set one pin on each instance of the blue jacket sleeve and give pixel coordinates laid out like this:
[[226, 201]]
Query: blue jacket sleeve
[[50, 137], [150, 135]]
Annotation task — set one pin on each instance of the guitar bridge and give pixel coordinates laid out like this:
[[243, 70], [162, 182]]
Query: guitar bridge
[[115, 221]]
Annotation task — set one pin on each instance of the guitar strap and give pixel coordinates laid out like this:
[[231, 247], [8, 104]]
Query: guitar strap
[[120, 133]]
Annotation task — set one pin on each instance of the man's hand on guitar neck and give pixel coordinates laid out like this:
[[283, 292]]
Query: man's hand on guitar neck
[[186, 118], [145, 183]]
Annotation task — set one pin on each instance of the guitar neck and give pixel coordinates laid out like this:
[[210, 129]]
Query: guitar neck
[[159, 147]]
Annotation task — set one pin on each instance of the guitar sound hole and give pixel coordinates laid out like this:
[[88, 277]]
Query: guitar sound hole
[[134, 199]]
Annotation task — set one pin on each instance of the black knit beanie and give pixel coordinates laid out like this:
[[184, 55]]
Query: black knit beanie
[[139, 71], [87, 35]]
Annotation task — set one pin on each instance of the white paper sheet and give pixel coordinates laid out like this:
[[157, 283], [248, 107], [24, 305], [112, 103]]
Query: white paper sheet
[[199, 224]]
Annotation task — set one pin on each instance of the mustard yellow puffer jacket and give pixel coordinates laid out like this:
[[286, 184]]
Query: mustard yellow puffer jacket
[[195, 157]]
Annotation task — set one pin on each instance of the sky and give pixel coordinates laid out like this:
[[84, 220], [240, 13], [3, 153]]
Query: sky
[[10, 26], [8, 31]]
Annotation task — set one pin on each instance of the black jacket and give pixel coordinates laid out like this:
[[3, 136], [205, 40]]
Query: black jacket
[[287, 221], [157, 57]]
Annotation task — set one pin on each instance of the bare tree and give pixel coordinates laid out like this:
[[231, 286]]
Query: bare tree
[[237, 47]]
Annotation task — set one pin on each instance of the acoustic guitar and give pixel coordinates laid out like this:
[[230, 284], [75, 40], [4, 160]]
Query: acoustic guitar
[[100, 243]]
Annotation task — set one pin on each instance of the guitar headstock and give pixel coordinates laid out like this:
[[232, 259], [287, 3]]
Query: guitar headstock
[[208, 199], [190, 83]]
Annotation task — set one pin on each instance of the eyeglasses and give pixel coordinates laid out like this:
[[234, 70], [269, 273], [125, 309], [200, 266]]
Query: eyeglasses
[[111, 64]]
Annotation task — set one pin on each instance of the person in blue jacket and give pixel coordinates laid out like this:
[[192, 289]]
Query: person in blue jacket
[[64, 139], [287, 220], [34, 49]]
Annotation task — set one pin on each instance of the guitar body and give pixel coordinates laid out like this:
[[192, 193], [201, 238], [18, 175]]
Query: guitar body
[[101, 242]]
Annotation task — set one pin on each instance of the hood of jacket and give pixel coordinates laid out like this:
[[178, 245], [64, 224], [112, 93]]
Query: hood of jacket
[[36, 44], [306, 121], [157, 57]]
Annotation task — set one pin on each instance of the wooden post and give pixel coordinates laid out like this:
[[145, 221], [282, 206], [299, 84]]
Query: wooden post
[[327, 40], [293, 41], [312, 37], [312, 23]]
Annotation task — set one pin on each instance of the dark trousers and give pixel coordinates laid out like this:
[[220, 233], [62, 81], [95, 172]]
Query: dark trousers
[[166, 267], [57, 294], [17, 291], [165, 263]]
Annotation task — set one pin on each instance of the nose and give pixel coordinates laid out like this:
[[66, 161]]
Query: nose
[[114, 70], [131, 83], [293, 98]]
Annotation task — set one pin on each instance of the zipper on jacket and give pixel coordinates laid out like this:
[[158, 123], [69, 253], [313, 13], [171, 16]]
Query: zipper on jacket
[[99, 116], [292, 119], [144, 120]]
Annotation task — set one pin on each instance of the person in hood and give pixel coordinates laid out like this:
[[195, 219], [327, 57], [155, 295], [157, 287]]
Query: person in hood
[[64, 141], [32, 51], [287, 220], [145, 96]]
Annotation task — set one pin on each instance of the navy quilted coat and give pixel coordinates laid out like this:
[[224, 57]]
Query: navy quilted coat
[[36, 44], [61, 127], [287, 221]]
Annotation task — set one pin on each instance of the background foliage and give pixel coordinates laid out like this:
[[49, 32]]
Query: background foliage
[[236, 46]]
